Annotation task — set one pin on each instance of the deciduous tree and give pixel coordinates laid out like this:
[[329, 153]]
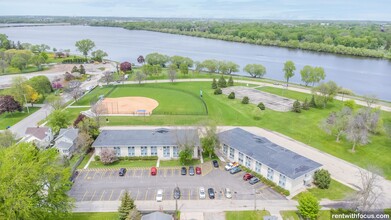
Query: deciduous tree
[[210, 140], [322, 179], [139, 77], [308, 206], [325, 92], [54, 101], [98, 55], [9, 104], [107, 77], [85, 46], [7, 138], [141, 59], [337, 123], [289, 70], [41, 84], [58, 119], [255, 70], [157, 59], [107, 156], [125, 66]]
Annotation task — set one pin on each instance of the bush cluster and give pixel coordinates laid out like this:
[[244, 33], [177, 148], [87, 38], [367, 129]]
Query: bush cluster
[[231, 95], [138, 158], [218, 91], [75, 60]]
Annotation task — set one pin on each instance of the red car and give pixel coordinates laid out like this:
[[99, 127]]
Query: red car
[[153, 171], [198, 170], [247, 176]]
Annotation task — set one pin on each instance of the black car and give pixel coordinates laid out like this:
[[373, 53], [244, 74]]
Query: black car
[[122, 171], [211, 193], [183, 171], [177, 193], [215, 163], [73, 177], [191, 171]]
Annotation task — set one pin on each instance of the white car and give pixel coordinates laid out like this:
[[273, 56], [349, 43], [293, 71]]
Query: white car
[[159, 195], [228, 166], [228, 193], [202, 193]]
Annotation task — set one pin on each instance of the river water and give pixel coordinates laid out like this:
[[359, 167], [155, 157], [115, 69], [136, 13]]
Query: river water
[[361, 75]]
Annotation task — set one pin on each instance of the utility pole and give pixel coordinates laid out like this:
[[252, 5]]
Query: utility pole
[[25, 100]]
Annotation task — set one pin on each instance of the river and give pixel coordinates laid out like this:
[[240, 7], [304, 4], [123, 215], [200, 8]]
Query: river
[[361, 75]]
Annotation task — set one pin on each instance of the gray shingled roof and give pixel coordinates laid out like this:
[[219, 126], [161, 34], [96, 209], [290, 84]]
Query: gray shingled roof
[[63, 145], [156, 137], [70, 133], [272, 155]]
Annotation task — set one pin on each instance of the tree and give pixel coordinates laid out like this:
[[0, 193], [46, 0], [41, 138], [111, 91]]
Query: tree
[[261, 106], [370, 100], [322, 179], [157, 59], [318, 74], [245, 100], [178, 60], [3, 66], [370, 190], [198, 66], [85, 46], [139, 77], [84, 141], [306, 73], [337, 123], [107, 77], [34, 96], [134, 214], [34, 185], [58, 119], [325, 92], [74, 89], [210, 65], [127, 204], [125, 66], [210, 140], [255, 70], [184, 68], [214, 84], [305, 105], [89, 126], [312, 103], [231, 95], [57, 85], [19, 61], [296, 107], [98, 55], [54, 101], [222, 83], [107, 156], [140, 59], [230, 81], [357, 131], [19, 89], [186, 155], [37, 60], [74, 69], [82, 70], [232, 67], [41, 84], [350, 104], [9, 104], [289, 70], [308, 206], [7, 139], [172, 74]]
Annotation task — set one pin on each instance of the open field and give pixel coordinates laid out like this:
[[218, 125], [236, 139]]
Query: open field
[[8, 119], [245, 215]]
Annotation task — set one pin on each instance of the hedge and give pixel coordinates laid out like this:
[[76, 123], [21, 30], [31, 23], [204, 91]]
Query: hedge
[[138, 158], [266, 181]]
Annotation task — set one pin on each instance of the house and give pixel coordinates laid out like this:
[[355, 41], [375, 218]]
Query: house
[[157, 216], [66, 141], [164, 143], [287, 169], [40, 136]]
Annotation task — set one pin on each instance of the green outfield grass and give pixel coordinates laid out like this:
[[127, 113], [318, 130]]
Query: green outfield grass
[[8, 119]]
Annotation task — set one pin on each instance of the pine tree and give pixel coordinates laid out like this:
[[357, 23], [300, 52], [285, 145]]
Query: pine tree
[[222, 82], [296, 106], [230, 81], [306, 105], [245, 100], [127, 204], [312, 103], [214, 84], [74, 69], [82, 70]]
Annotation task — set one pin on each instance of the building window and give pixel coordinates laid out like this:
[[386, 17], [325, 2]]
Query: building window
[[270, 173], [175, 151], [117, 151], [249, 161], [144, 151], [240, 157], [130, 151], [225, 149], [166, 151], [153, 151], [258, 166], [282, 181], [231, 153]]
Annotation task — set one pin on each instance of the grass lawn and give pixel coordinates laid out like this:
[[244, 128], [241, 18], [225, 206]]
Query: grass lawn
[[303, 127], [85, 160], [74, 112], [336, 191], [8, 119], [93, 216], [177, 163], [124, 163], [286, 93], [246, 215], [293, 215]]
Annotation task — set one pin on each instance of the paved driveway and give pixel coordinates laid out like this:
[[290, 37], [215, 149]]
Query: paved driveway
[[107, 185]]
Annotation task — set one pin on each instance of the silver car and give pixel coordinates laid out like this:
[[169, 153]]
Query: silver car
[[202, 193]]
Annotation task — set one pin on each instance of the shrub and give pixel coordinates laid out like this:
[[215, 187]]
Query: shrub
[[312, 103], [231, 95], [245, 100], [68, 76], [218, 91], [305, 105], [82, 70], [350, 104], [296, 107], [214, 84], [222, 83], [308, 206], [97, 158], [107, 156], [261, 106], [322, 179], [138, 158], [74, 69], [230, 81]]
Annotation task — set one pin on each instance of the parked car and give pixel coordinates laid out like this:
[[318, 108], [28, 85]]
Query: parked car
[[235, 170], [177, 193], [202, 193], [198, 170], [211, 193], [228, 193], [122, 171], [191, 171], [215, 163], [247, 176], [153, 171], [229, 166], [183, 171], [254, 180], [159, 195]]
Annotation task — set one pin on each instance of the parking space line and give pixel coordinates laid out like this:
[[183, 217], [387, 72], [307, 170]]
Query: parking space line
[[82, 199], [120, 195], [96, 172], [101, 197], [93, 195], [146, 194], [103, 173], [87, 174]]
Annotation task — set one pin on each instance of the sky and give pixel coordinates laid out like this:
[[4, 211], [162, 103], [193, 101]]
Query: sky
[[379, 10]]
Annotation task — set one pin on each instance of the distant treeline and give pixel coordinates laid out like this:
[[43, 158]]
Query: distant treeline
[[358, 39]]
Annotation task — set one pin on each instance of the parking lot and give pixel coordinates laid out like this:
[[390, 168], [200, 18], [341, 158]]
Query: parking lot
[[107, 185]]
